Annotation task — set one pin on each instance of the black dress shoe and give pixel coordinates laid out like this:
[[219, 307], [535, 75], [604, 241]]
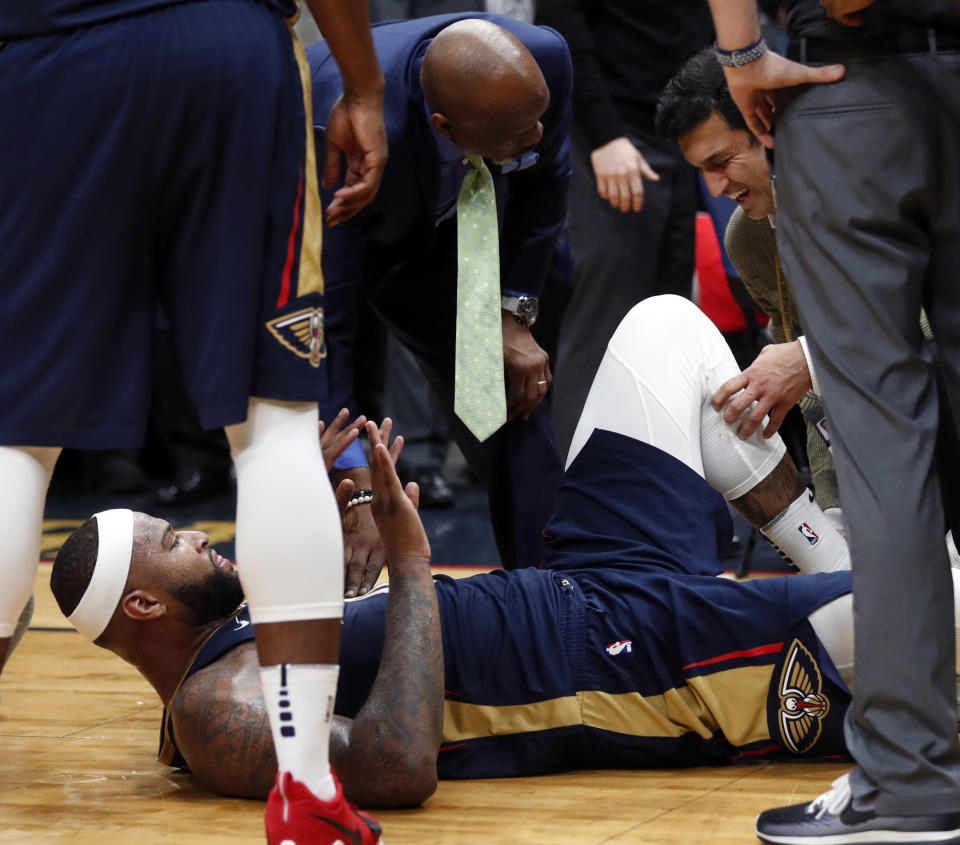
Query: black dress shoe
[[194, 486], [434, 490], [115, 473]]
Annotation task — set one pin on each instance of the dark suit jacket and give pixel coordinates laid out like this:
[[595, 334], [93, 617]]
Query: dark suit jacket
[[400, 224]]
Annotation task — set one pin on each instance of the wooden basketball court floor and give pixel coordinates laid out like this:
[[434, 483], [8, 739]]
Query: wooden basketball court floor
[[78, 742]]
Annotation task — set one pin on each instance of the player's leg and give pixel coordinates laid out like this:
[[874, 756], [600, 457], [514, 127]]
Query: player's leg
[[655, 384], [243, 288], [290, 548], [26, 474], [75, 266], [768, 494], [833, 625]]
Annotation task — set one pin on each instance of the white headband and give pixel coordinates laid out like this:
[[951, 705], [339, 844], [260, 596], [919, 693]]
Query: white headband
[[114, 551]]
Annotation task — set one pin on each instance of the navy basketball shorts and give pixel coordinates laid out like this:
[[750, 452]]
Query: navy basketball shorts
[[160, 163], [625, 668]]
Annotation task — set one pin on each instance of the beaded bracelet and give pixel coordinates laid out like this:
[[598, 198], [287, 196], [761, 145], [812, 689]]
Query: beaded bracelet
[[360, 497], [741, 57]]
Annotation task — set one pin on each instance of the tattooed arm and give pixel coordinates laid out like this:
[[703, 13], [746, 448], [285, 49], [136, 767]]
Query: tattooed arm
[[221, 728], [387, 756]]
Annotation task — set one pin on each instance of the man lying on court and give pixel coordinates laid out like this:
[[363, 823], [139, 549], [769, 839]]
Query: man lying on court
[[622, 651]]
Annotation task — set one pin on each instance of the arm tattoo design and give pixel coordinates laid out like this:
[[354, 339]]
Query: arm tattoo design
[[393, 742], [222, 727]]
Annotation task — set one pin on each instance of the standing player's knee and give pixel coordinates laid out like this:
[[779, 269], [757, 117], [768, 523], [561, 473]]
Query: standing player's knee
[[270, 424]]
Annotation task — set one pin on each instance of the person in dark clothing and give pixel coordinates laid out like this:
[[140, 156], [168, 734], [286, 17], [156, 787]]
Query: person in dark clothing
[[868, 216], [633, 198]]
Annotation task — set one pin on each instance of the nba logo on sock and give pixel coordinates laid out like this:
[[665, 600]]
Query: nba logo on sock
[[812, 537]]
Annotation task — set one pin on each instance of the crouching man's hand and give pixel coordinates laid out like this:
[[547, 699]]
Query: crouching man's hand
[[772, 385]]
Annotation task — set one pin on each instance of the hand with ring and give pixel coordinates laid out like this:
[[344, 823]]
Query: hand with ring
[[527, 366]]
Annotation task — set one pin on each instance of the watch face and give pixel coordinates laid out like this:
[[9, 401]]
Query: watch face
[[527, 310]]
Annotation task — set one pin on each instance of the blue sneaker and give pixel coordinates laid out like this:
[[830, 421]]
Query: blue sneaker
[[832, 819]]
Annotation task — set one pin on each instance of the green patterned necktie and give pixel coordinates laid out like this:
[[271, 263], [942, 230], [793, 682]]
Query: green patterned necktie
[[479, 395]]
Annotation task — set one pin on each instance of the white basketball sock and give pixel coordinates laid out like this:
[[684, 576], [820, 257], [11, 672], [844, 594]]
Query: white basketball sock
[[299, 700], [805, 536], [835, 515]]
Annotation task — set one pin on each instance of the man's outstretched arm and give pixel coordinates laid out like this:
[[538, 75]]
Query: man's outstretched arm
[[355, 123], [752, 85]]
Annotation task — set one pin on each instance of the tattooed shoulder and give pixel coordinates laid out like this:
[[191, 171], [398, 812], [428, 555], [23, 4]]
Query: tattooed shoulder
[[221, 726]]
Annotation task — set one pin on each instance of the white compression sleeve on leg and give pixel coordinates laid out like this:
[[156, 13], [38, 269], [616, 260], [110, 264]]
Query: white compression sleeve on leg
[[289, 541], [731, 465], [833, 625], [655, 383], [649, 385], [26, 474]]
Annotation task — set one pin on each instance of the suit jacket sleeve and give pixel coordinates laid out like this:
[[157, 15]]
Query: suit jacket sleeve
[[536, 205]]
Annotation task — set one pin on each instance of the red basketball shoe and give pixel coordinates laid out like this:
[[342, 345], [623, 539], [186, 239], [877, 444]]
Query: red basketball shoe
[[295, 816]]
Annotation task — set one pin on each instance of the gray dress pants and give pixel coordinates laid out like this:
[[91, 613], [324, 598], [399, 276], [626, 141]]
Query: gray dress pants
[[867, 225]]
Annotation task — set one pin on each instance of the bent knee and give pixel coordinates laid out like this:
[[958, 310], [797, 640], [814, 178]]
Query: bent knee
[[659, 323]]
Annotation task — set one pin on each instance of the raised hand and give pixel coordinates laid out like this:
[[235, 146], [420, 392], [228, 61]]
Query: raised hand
[[334, 438], [775, 382], [395, 508]]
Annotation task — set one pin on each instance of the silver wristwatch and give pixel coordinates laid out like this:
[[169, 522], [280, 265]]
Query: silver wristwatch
[[525, 309]]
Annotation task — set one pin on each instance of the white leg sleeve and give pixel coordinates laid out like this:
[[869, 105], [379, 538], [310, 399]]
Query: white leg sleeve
[[660, 370], [289, 541], [26, 474], [833, 625]]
